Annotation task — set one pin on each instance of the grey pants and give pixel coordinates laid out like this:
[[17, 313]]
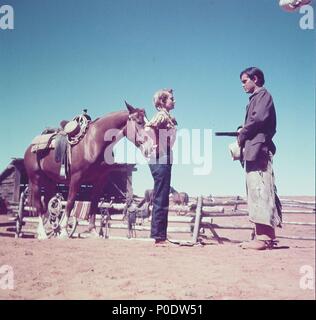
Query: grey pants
[[261, 192]]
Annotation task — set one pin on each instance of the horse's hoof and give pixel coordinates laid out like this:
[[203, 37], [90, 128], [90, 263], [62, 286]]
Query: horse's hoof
[[63, 234], [42, 236], [93, 234]]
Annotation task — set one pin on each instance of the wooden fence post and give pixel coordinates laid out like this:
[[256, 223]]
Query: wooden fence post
[[198, 218]]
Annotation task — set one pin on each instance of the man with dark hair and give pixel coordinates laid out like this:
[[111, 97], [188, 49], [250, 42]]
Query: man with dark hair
[[253, 72], [255, 139]]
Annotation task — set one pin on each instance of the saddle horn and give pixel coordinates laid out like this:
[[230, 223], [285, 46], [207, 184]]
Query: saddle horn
[[130, 108]]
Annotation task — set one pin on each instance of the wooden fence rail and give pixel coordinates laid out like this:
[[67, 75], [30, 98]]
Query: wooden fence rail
[[197, 216]]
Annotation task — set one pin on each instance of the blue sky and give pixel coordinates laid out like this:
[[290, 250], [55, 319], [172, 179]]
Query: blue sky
[[64, 55]]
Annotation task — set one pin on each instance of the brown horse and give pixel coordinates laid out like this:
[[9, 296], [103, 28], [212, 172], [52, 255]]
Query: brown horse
[[179, 198], [90, 162]]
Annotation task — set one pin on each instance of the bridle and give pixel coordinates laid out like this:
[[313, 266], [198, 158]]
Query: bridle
[[138, 143]]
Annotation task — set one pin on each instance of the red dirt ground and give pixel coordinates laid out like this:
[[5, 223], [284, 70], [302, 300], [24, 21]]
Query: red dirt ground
[[130, 269]]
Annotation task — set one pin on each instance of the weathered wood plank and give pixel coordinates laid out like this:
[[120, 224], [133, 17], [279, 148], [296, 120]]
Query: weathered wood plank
[[198, 218]]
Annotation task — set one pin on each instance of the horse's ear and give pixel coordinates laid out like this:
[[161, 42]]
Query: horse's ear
[[129, 107]]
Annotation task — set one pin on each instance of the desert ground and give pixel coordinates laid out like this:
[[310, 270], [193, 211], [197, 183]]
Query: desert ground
[[137, 270]]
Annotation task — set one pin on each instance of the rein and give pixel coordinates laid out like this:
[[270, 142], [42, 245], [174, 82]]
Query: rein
[[137, 133]]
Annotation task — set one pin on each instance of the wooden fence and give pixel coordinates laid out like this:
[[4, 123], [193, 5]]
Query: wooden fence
[[197, 217]]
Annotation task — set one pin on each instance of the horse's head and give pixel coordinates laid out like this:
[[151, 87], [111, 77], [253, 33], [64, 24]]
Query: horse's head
[[134, 130]]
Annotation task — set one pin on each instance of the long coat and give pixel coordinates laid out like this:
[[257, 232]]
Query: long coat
[[259, 127]]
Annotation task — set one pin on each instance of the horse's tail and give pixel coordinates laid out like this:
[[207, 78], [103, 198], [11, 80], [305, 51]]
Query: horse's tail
[[28, 162]]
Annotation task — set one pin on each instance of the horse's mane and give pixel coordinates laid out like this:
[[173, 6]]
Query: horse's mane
[[108, 115]]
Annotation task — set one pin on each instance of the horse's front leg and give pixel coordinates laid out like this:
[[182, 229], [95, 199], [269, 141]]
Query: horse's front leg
[[73, 189]]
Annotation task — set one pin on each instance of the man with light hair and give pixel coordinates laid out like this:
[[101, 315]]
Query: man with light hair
[[163, 126], [163, 117]]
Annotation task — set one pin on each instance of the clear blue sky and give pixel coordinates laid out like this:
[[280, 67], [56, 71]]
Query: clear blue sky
[[64, 55]]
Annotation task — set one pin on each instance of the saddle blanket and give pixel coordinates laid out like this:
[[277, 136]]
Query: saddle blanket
[[81, 209], [41, 142]]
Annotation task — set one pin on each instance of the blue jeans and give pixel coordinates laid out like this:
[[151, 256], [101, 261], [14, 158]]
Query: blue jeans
[[162, 177]]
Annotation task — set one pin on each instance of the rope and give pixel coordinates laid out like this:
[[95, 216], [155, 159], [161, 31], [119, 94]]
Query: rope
[[84, 124]]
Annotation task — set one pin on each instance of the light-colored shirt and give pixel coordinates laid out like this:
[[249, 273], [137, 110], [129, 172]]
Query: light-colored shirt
[[162, 120], [164, 129]]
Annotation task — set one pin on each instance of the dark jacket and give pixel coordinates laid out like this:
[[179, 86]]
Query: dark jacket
[[259, 127]]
